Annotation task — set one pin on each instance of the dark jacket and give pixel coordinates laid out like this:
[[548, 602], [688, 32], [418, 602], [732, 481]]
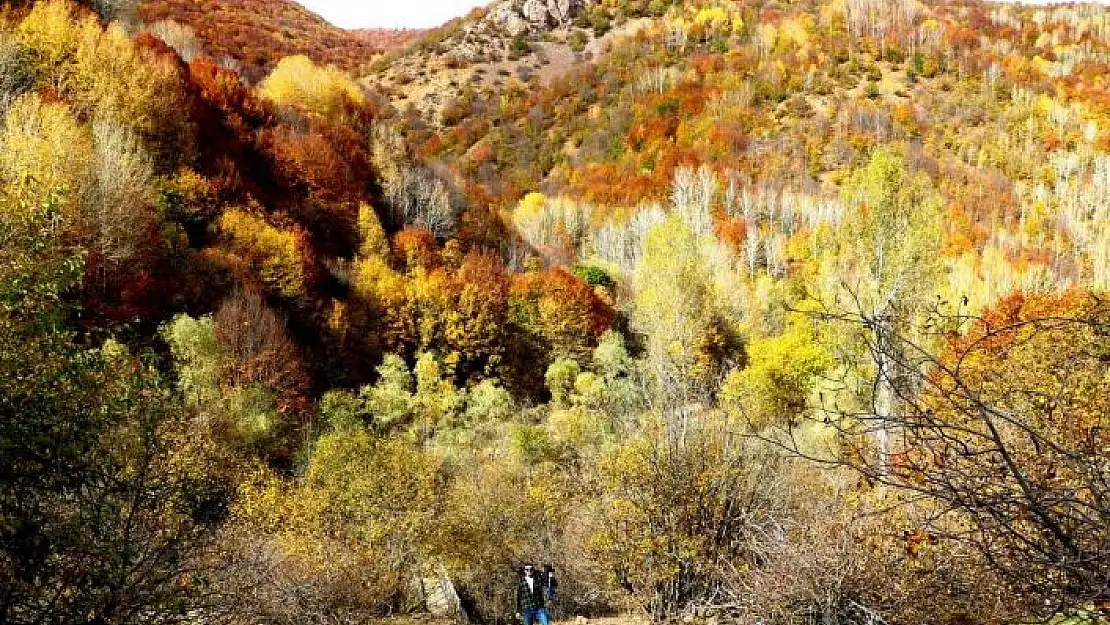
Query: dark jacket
[[530, 598]]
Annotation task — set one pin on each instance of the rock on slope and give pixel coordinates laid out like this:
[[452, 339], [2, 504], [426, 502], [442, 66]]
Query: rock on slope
[[521, 16]]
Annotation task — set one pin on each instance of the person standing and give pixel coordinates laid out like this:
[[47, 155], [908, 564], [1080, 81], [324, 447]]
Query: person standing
[[550, 583], [531, 604]]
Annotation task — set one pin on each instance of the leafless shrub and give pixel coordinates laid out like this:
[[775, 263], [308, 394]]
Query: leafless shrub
[[995, 437], [415, 194], [117, 10], [122, 203], [256, 341], [177, 36]]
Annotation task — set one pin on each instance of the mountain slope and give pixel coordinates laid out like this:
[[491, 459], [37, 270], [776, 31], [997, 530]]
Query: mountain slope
[[259, 33], [387, 39], [507, 41], [791, 100]]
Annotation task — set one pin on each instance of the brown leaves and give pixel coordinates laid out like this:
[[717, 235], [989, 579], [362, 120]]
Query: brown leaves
[[259, 33], [561, 308]]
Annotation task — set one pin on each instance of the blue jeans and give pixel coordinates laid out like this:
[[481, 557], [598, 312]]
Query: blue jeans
[[539, 614]]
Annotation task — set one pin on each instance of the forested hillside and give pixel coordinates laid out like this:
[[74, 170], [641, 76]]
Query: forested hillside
[[389, 39], [256, 34], [745, 311]]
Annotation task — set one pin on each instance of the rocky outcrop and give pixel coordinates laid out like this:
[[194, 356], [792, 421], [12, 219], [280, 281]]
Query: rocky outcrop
[[507, 17], [563, 11], [518, 17], [535, 11]]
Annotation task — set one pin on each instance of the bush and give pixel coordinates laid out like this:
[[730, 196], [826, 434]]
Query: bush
[[560, 378], [345, 541], [594, 276], [578, 40], [276, 255], [682, 502], [519, 47], [599, 21]]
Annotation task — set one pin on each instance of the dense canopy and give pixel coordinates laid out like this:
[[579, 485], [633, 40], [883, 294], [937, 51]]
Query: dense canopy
[[758, 311]]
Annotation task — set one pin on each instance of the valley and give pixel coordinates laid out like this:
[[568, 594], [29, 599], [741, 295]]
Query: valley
[[727, 311]]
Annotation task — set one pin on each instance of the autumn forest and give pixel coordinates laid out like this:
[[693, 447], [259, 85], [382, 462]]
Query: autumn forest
[[788, 312]]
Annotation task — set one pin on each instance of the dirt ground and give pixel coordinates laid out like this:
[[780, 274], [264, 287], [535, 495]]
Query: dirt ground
[[431, 620]]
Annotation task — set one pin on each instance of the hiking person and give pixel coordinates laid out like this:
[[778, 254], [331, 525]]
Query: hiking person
[[550, 583], [531, 605]]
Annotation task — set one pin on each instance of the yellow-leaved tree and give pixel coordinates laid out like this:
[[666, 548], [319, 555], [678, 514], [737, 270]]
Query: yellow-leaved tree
[[299, 82], [687, 339], [349, 537], [781, 373], [45, 153], [106, 76], [277, 255]]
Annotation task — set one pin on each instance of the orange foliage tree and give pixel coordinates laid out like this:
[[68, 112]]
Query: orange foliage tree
[[560, 311], [1003, 431]]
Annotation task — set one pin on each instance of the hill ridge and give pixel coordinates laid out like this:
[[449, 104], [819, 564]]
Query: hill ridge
[[256, 34]]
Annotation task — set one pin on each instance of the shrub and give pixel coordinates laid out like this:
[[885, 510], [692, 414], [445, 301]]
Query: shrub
[[594, 276], [276, 255], [325, 91], [578, 40]]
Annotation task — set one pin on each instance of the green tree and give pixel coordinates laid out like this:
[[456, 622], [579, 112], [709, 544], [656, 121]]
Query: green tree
[[890, 261], [342, 410], [238, 368], [487, 401], [687, 340], [560, 379], [620, 374], [107, 490], [437, 402], [892, 242], [775, 387], [390, 401]]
